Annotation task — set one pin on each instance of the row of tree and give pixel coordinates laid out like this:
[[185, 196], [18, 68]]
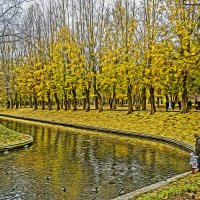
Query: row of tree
[[78, 52]]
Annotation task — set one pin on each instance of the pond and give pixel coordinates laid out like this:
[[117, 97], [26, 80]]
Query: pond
[[86, 165]]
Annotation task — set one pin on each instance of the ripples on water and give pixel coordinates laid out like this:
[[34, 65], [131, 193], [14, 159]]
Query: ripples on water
[[88, 165]]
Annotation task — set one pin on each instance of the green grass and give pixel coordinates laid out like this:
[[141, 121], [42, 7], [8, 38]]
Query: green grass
[[184, 187], [10, 137]]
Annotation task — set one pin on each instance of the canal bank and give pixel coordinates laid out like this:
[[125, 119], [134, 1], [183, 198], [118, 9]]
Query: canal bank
[[10, 139]]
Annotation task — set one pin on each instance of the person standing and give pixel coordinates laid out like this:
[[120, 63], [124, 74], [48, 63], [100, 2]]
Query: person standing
[[179, 105], [190, 105], [173, 105], [193, 162], [110, 102], [167, 105], [196, 104], [197, 149], [170, 105]]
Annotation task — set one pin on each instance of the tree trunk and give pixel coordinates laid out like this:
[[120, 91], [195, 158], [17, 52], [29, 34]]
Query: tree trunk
[[62, 104], [12, 103], [100, 102], [30, 101], [152, 100], [130, 103], [167, 103], [69, 101], [84, 103], [96, 106], [122, 102], [144, 99], [137, 100], [65, 100], [16, 101], [87, 95], [43, 103], [8, 104], [185, 95], [114, 97], [57, 101], [20, 101], [35, 103], [49, 103], [74, 99]]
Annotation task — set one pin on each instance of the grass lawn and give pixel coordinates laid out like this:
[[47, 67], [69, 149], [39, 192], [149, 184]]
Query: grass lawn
[[10, 137], [184, 189], [169, 124]]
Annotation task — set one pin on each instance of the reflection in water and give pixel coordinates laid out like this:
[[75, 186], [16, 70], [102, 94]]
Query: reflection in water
[[88, 165]]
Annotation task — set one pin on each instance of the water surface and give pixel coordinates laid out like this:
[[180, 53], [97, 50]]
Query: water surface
[[89, 165]]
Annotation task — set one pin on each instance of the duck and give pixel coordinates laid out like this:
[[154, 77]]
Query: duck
[[6, 152], [48, 178], [63, 189], [130, 177], [94, 189], [121, 192]]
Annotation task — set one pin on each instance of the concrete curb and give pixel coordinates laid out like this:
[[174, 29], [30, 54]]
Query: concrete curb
[[17, 145]]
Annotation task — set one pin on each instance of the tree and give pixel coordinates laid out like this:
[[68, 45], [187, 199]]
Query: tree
[[186, 55], [9, 13]]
